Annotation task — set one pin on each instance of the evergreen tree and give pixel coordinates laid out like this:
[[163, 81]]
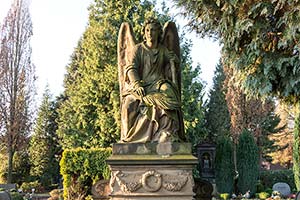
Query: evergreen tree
[[247, 163], [270, 126], [217, 114], [224, 165], [263, 65], [21, 167], [44, 146]]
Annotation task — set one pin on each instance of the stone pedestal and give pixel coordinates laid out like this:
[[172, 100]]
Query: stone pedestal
[[152, 171]]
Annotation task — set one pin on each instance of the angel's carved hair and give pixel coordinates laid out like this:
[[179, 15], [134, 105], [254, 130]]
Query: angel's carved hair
[[156, 23]]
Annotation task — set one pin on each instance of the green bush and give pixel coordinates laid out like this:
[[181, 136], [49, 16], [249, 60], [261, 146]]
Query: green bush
[[270, 177], [263, 195], [28, 186], [269, 191], [16, 196], [81, 168]]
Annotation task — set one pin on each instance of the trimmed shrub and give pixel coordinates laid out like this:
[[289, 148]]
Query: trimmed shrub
[[247, 163], [270, 177], [81, 168], [224, 165]]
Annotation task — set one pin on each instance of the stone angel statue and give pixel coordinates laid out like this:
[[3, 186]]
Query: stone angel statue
[[149, 77]]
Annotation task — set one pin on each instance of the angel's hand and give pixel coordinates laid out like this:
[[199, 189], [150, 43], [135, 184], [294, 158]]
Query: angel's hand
[[140, 91], [138, 88]]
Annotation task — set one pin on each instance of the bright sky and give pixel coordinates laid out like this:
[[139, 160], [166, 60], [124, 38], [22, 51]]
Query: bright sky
[[57, 27]]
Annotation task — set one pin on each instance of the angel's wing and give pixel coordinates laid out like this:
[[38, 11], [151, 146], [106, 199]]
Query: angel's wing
[[170, 40], [126, 44]]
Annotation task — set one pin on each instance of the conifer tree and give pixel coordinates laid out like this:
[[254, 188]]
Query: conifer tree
[[260, 41], [217, 114], [44, 148], [247, 163], [224, 165]]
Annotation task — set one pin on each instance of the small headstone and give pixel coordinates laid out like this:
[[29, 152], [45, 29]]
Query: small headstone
[[283, 188]]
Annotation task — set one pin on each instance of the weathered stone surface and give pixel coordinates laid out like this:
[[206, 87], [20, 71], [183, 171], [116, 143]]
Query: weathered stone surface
[[152, 148], [144, 174], [101, 190], [283, 188], [150, 84], [151, 181]]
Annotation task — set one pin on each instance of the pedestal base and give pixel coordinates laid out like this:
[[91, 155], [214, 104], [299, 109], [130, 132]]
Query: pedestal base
[[152, 171]]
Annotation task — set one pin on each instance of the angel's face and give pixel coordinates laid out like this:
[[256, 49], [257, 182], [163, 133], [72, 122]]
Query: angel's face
[[151, 33]]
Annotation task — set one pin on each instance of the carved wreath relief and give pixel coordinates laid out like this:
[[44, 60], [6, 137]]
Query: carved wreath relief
[[151, 181]]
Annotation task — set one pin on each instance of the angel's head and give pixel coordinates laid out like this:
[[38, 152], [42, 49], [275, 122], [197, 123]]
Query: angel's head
[[153, 23]]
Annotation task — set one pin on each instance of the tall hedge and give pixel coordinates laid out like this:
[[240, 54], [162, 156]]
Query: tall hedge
[[81, 168], [247, 163], [224, 165]]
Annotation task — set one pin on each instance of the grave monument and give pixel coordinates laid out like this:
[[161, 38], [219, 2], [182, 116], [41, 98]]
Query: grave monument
[[152, 160]]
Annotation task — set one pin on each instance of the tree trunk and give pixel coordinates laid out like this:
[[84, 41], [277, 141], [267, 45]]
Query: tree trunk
[[10, 165]]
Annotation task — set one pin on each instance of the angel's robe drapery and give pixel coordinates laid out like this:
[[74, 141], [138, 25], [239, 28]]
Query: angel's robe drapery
[[153, 117]]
